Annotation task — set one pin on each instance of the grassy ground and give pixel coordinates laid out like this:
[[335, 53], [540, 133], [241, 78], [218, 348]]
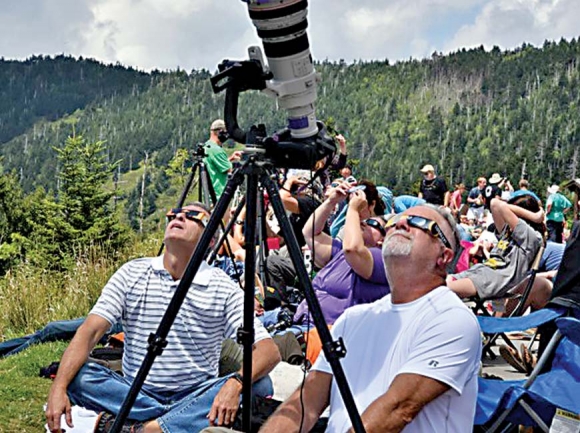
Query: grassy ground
[[22, 392], [29, 299]]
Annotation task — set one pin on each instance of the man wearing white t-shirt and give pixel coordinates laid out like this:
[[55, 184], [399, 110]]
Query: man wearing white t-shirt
[[413, 356]]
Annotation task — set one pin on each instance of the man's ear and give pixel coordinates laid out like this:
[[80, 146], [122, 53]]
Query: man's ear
[[445, 258]]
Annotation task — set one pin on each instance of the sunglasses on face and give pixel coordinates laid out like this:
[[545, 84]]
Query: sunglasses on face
[[191, 215], [422, 223], [376, 225]]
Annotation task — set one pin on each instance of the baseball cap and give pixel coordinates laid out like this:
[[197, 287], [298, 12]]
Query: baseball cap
[[427, 168], [217, 125]]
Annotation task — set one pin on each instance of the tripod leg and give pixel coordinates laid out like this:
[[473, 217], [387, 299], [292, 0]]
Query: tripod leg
[[206, 187], [262, 236], [332, 350], [158, 340], [246, 334], [183, 195]]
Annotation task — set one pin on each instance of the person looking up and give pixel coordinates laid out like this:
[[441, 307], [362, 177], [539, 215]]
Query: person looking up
[[412, 357], [182, 391], [521, 228]]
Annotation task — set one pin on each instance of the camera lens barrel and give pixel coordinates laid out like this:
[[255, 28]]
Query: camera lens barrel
[[282, 24]]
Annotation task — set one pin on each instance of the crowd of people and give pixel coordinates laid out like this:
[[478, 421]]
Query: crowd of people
[[389, 273]]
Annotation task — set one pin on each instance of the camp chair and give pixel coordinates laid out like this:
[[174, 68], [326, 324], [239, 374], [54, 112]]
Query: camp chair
[[479, 307], [533, 402], [555, 380]]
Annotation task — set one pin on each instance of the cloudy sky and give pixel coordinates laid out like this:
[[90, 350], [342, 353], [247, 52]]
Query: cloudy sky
[[194, 34]]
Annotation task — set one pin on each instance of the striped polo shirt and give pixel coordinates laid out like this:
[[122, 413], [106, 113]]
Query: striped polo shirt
[[139, 294]]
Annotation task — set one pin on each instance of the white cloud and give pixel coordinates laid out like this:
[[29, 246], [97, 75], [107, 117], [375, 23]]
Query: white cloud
[[509, 23], [165, 34]]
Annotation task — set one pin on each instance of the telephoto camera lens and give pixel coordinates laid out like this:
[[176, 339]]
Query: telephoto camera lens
[[281, 25]]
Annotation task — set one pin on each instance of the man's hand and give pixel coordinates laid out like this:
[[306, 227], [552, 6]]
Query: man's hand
[[225, 404], [58, 404], [236, 156]]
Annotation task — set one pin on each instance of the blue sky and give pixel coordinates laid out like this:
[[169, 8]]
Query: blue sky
[[194, 34]]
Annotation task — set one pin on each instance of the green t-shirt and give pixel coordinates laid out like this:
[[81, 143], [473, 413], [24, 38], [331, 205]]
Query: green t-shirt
[[217, 165], [559, 203]]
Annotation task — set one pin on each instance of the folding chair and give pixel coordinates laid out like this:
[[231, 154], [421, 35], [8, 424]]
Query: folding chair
[[555, 380], [480, 309], [534, 402]]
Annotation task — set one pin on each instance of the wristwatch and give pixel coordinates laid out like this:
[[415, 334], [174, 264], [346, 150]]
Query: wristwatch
[[237, 376], [240, 222]]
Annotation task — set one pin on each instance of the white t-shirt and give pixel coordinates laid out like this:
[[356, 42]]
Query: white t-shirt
[[435, 336]]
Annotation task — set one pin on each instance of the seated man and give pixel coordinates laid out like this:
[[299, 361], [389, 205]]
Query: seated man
[[413, 356], [182, 391]]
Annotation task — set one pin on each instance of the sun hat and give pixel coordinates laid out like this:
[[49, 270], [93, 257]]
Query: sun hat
[[495, 178]]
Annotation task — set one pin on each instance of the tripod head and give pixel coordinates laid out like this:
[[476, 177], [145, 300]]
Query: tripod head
[[199, 151], [282, 148]]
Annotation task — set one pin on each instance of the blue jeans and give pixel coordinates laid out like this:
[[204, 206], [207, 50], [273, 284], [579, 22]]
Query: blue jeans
[[98, 388], [270, 318], [54, 331]]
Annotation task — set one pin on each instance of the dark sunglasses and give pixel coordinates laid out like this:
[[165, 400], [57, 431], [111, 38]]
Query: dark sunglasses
[[422, 223], [376, 225], [191, 215]]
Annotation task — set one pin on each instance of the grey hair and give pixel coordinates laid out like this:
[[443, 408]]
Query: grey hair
[[217, 234], [199, 204], [450, 221]]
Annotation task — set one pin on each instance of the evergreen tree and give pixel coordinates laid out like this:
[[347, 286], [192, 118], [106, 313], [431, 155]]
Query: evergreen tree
[[82, 197], [12, 221]]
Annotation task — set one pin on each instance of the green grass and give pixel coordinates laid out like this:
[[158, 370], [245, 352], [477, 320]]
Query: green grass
[[29, 299], [23, 393]]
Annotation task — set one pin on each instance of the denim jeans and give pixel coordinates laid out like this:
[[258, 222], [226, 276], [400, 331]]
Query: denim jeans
[[60, 330], [98, 388], [270, 318]]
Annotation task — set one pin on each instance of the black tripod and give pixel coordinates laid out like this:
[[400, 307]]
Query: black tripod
[[262, 155], [206, 193], [256, 169]]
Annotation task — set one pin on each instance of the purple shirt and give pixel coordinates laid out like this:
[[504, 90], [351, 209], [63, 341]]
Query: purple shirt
[[338, 287]]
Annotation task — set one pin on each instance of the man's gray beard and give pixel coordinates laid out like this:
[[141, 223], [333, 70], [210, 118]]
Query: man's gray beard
[[397, 245]]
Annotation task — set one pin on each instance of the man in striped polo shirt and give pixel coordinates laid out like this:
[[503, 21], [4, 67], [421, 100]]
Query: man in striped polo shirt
[[182, 392]]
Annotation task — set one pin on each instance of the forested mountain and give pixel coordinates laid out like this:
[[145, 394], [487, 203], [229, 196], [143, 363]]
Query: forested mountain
[[469, 113]]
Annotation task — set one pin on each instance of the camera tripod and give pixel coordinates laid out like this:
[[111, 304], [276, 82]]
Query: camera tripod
[[256, 169], [206, 193]]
